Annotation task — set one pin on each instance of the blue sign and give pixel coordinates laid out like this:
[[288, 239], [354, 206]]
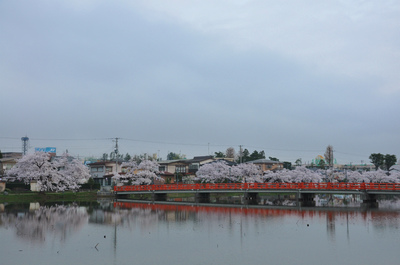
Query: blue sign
[[50, 149], [40, 149], [45, 149]]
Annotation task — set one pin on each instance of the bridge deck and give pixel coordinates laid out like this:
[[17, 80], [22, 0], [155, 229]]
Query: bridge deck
[[335, 188]]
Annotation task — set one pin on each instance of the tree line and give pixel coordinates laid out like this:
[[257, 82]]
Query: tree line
[[381, 161]]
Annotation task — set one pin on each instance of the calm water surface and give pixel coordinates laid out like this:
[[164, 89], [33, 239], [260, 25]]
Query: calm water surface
[[148, 233]]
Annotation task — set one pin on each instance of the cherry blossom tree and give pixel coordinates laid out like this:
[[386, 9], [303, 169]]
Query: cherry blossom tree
[[282, 176], [395, 174], [36, 167], [214, 172], [378, 176], [219, 172], [355, 177], [381, 176], [300, 174], [246, 172], [73, 171], [144, 173], [59, 175]]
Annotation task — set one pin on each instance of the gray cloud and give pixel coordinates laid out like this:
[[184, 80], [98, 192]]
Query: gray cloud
[[197, 79]]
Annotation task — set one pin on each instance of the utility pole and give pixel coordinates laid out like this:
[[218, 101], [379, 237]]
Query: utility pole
[[240, 154], [116, 155]]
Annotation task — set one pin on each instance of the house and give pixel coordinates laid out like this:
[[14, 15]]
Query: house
[[6, 164], [102, 171], [197, 161], [266, 164], [173, 171], [2, 185], [173, 166], [15, 155], [169, 178]]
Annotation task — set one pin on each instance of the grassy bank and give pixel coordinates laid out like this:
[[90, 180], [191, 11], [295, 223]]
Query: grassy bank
[[48, 196]]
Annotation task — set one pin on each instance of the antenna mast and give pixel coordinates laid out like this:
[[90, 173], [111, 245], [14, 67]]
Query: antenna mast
[[25, 143]]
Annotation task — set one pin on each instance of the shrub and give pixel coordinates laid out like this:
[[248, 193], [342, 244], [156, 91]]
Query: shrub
[[90, 186]]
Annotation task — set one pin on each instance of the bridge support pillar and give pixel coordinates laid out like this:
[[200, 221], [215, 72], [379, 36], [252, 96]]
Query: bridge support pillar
[[369, 200], [122, 196], [306, 199], [251, 198], [159, 196], [202, 197]]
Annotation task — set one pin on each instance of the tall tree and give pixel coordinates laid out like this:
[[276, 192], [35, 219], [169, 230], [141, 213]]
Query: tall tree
[[244, 156], [273, 158], [114, 156], [287, 165], [230, 152], [175, 156], [139, 158], [219, 154], [321, 164], [256, 155], [377, 159], [329, 155], [127, 157], [390, 160], [298, 162]]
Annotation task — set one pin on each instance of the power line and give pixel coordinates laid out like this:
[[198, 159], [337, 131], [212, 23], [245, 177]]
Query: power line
[[60, 139], [167, 143], [66, 139], [172, 143], [279, 149]]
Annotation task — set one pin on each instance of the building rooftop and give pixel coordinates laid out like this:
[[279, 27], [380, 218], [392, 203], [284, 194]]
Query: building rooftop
[[264, 161]]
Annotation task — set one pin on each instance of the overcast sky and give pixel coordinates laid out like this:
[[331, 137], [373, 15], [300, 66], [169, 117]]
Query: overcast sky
[[196, 77]]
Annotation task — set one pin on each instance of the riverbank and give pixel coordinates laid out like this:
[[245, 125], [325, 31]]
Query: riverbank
[[48, 196]]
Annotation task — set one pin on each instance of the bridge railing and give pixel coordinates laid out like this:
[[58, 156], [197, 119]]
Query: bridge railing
[[262, 186]]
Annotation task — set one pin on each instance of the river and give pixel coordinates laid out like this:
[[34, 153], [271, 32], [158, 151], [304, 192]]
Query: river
[[107, 232]]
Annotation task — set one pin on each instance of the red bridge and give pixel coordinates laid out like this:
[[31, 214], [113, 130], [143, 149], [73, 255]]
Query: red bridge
[[373, 188]]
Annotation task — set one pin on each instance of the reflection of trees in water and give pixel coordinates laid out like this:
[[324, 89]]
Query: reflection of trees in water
[[53, 221], [330, 225], [393, 203], [143, 217], [388, 215], [148, 215], [385, 220]]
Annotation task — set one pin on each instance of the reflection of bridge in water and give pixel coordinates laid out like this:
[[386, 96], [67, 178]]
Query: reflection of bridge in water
[[330, 213], [304, 192], [261, 210]]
